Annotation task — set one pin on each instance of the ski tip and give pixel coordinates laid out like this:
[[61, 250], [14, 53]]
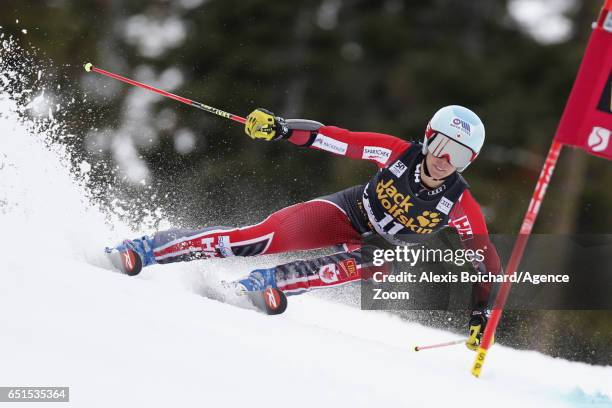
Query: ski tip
[[275, 301], [416, 348], [88, 66], [271, 301]]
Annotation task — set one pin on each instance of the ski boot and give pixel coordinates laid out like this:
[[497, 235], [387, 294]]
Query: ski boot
[[131, 256], [258, 280], [260, 287]]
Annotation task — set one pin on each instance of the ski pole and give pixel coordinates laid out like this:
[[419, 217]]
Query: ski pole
[[450, 343], [89, 67]]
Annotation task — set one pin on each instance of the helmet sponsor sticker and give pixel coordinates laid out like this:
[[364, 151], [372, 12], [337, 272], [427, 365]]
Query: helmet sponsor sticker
[[445, 205], [398, 168], [331, 145], [461, 125], [599, 139], [379, 154], [329, 273]]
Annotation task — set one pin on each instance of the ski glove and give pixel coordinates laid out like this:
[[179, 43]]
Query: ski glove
[[478, 322], [262, 124]]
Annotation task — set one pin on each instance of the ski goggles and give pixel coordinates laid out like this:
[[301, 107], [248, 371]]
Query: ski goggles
[[456, 153]]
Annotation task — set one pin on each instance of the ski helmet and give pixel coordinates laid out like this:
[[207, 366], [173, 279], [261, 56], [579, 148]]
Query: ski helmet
[[454, 132]]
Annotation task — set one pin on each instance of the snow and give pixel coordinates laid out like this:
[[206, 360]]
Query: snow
[[161, 339]]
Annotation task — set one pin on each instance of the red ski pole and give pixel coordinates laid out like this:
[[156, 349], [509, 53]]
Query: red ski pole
[[517, 253], [449, 343], [90, 68]]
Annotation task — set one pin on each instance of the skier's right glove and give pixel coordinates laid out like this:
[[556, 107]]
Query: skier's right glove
[[262, 124], [478, 322]]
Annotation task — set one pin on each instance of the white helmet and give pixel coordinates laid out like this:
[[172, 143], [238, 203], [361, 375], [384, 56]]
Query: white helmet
[[455, 132]]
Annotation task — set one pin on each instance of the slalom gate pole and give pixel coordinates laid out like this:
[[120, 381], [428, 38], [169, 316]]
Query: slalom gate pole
[[90, 68], [449, 343], [517, 253]]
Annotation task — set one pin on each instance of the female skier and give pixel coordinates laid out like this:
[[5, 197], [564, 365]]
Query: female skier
[[418, 190]]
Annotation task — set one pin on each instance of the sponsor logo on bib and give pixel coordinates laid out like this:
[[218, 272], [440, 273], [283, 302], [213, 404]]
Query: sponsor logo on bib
[[398, 168], [445, 205]]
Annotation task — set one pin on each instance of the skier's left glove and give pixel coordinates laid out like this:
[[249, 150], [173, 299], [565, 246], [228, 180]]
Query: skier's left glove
[[262, 124], [478, 322]]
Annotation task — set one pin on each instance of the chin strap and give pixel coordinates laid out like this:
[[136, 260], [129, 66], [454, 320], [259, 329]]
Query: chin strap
[[426, 171]]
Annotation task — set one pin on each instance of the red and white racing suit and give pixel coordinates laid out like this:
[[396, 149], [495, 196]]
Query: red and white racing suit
[[323, 222]]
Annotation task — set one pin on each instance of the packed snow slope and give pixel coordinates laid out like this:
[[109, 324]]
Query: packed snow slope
[[161, 339]]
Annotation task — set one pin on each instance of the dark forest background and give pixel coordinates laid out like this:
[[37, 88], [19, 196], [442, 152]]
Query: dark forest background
[[382, 66]]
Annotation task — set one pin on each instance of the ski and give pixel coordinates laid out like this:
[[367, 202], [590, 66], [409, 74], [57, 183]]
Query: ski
[[270, 301]]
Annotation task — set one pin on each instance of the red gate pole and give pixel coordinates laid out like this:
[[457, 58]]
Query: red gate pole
[[517, 253]]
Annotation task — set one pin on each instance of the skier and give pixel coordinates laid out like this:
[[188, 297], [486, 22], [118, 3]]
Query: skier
[[417, 191]]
